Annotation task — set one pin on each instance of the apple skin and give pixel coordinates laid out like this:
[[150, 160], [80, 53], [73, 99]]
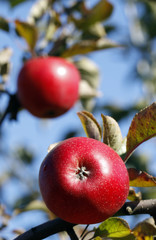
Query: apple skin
[[83, 181], [48, 86]]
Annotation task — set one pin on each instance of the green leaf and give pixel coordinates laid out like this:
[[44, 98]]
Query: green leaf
[[100, 12], [90, 125], [87, 46], [4, 24], [112, 134], [141, 178], [28, 32], [24, 155], [142, 128], [14, 3], [129, 237], [113, 228], [95, 32]]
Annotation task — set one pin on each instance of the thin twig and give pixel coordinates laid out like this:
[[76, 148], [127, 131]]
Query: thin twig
[[12, 108], [85, 229], [72, 234], [87, 234], [4, 115]]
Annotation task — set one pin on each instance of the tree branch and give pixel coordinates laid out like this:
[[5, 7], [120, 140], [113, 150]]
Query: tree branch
[[58, 225], [46, 229], [138, 207]]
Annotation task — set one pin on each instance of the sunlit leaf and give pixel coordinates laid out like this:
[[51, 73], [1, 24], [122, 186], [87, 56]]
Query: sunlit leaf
[[86, 91], [17, 232], [145, 230], [5, 57], [101, 11], [28, 32], [89, 78], [111, 133], [133, 196], [5, 217], [90, 125], [142, 128], [51, 146], [37, 10], [129, 237], [141, 178], [53, 24], [33, 205], [144, 238], [86, 46], [113, 228], [97, 238], [89, 71]]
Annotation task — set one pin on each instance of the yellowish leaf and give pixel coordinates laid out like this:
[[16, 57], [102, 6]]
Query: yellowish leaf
[[133, 196], [101, 11], [87, 46], [145, 230], [140, 178], [28, 32]]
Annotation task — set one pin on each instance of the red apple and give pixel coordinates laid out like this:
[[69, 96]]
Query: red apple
[[48, 86], [83, 181]]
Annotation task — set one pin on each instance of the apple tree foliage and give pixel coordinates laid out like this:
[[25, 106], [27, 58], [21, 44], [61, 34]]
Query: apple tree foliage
[[73, 30]]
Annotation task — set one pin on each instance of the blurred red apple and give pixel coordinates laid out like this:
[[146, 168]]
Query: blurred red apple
[[48, 86]]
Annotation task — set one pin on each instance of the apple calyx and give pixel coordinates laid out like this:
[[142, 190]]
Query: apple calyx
[[82, 173]]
